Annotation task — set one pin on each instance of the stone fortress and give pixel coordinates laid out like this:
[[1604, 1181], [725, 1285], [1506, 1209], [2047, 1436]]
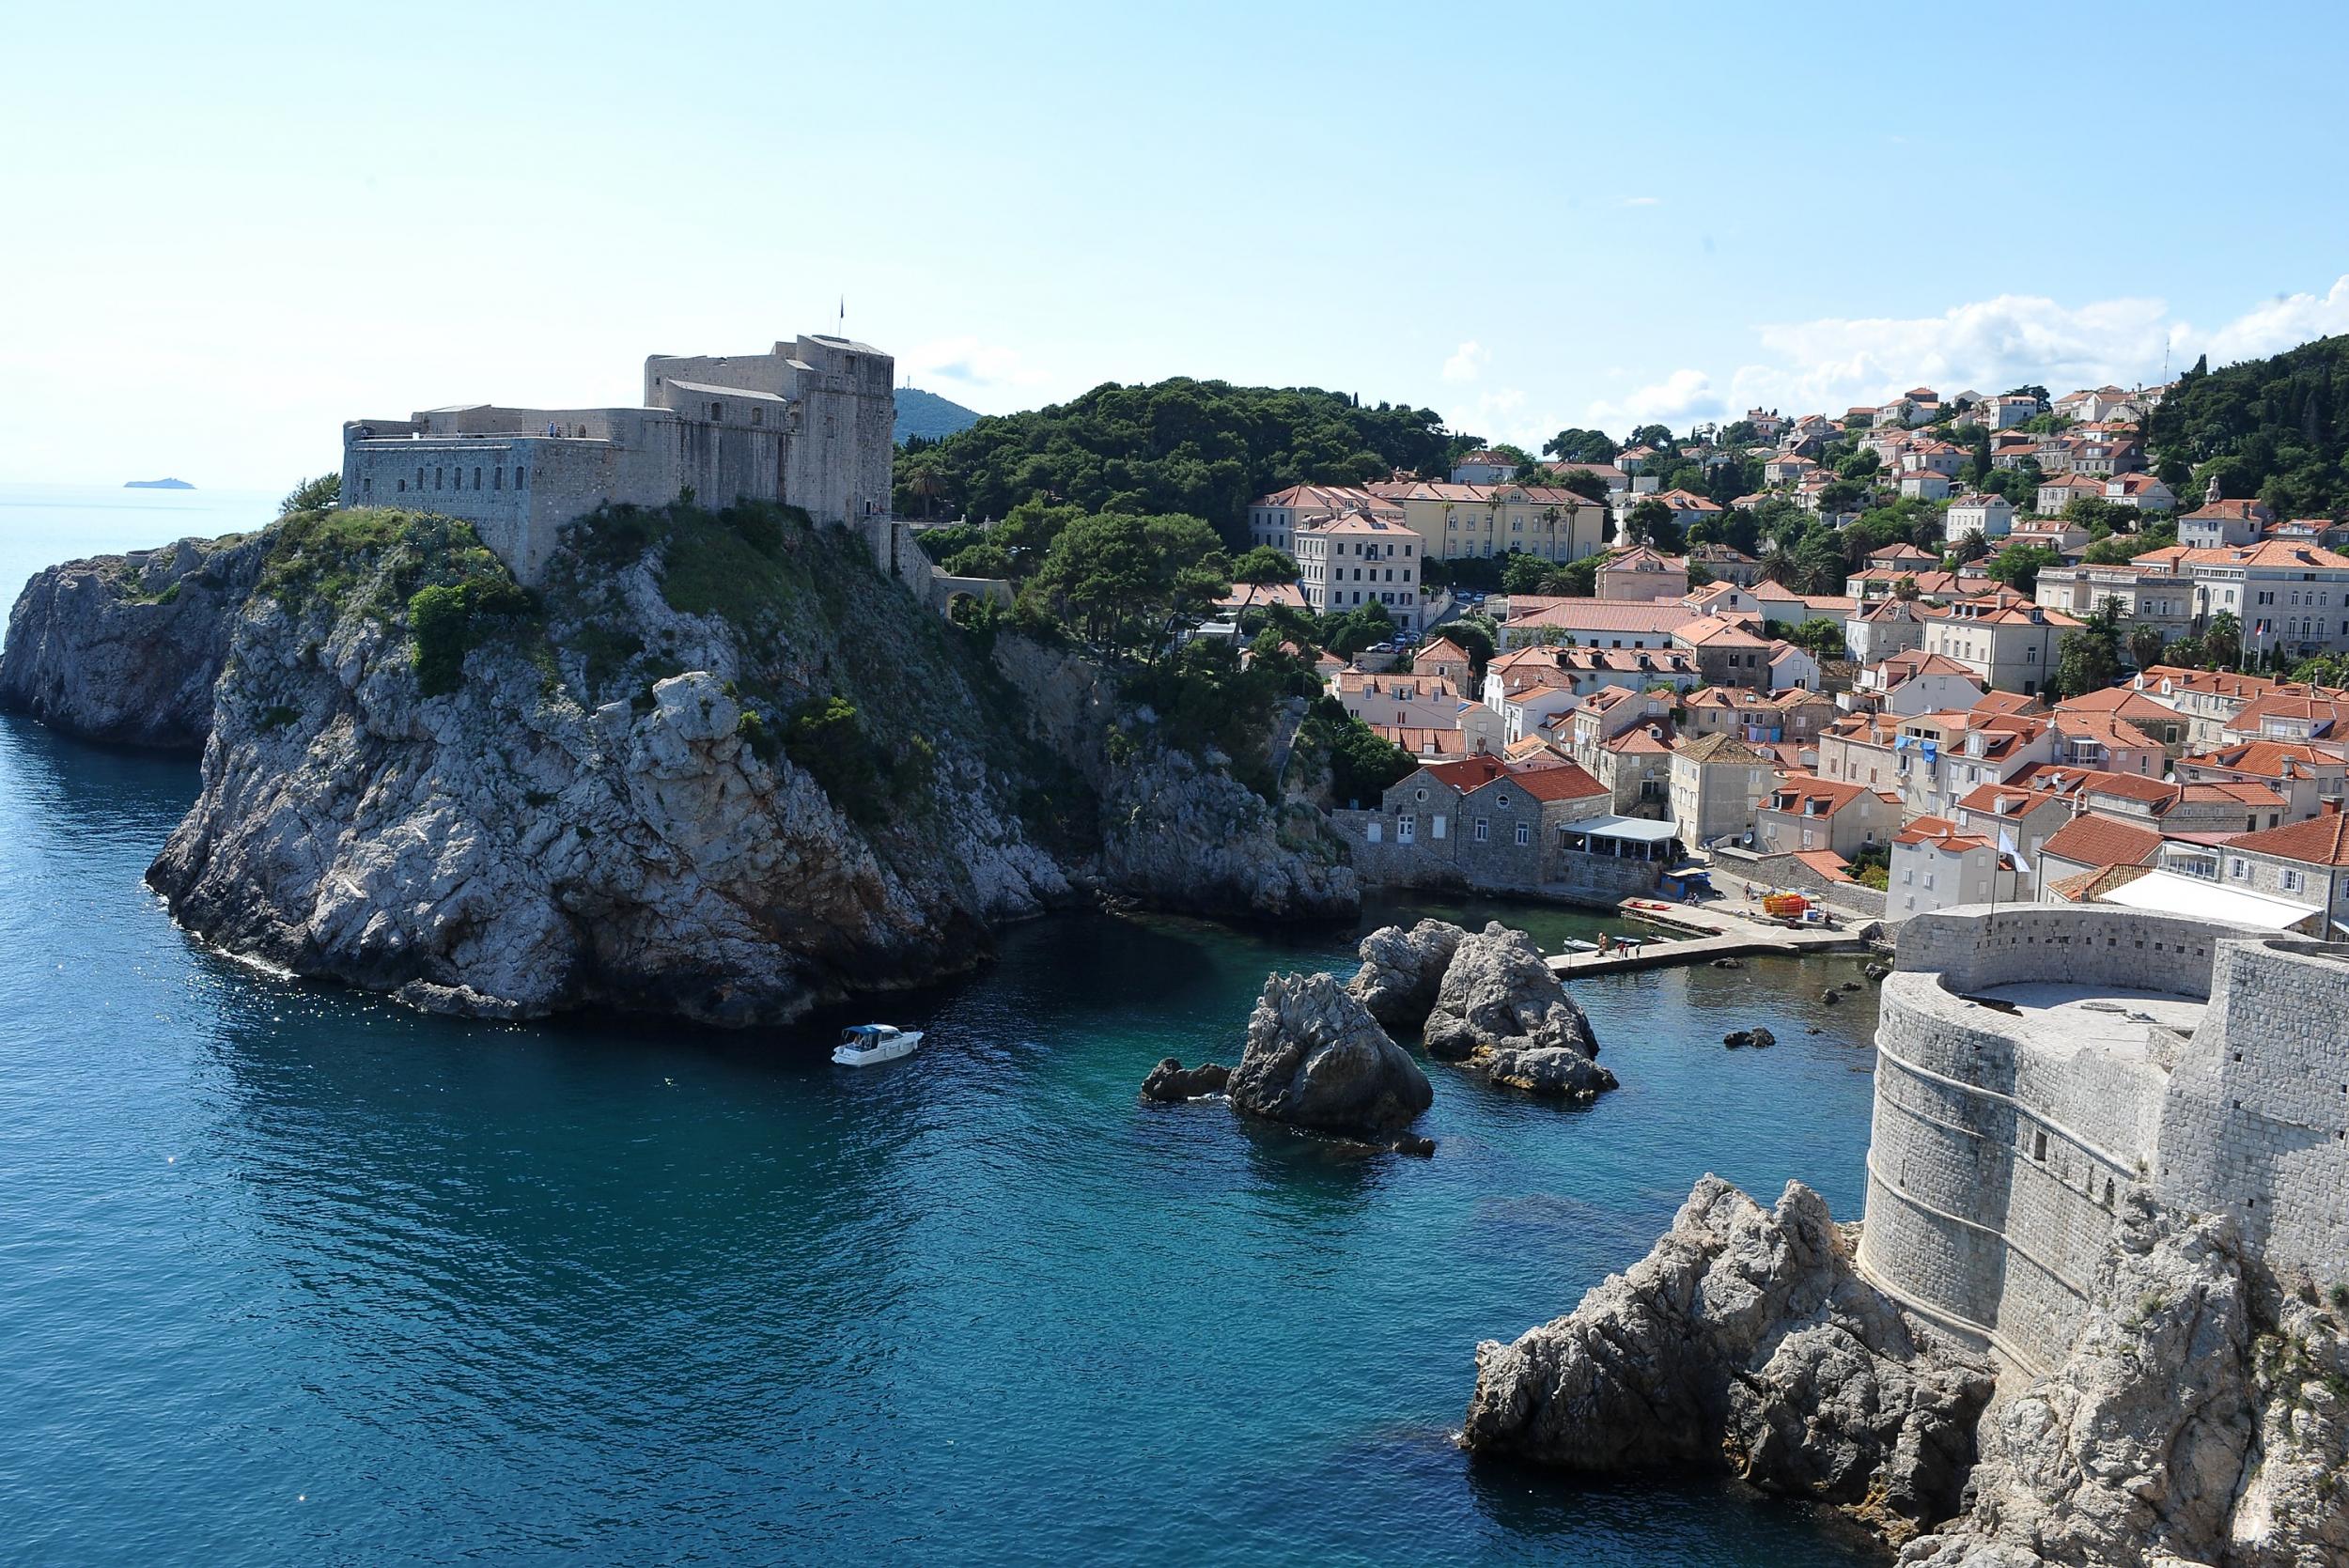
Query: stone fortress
[[2034, 1060], [811, 424]]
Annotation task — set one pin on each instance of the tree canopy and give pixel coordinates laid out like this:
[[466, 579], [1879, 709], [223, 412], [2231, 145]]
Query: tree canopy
[[2277, 428], [1176, 447], [1122, 581]]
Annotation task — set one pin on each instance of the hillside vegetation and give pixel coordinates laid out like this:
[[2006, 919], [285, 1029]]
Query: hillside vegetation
[[1201, 448], [2277, 428]]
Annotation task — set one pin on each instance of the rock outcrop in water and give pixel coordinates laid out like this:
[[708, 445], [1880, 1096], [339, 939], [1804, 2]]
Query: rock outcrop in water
[[1746, 1339], [1402, 969], [2202, 1416], [1172, 1082], [717, 766], [1315, 1058], [1501, 1010], [127, 648]]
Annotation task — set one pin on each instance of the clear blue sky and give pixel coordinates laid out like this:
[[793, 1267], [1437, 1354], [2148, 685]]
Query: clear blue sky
[[229, 232]]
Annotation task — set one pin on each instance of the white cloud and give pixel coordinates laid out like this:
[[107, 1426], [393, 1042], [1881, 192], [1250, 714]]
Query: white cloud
[[1644, 201], [1466, 362], [2284, 321], [1987, 346], [1681, 397], [970, 361]]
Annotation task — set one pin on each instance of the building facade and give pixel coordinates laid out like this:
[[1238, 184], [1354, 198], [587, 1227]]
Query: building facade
[[811, 424]]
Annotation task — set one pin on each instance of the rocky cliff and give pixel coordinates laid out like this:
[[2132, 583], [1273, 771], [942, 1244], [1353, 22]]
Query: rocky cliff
[[2200, 1417], [719, 767], [1746, 1339], [126, 648]]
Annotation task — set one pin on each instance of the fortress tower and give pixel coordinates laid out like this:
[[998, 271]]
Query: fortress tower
[[811, 423], [2033, 1062]]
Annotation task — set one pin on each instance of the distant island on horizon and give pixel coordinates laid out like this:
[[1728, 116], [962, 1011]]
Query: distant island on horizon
[[157, 484]]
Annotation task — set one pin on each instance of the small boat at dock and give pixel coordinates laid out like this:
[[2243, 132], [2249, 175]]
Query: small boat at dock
[[862, 1045]]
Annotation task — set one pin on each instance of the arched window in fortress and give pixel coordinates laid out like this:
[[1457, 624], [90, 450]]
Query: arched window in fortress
[[476, 479], [403, 487], [497, 477], [519, 473], [439, 474]]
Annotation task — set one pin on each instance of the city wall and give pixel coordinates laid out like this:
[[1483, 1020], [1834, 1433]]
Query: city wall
[[1995, 1156]]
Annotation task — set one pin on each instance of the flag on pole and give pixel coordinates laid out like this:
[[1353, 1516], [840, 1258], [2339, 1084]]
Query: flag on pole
[[2007, 847]]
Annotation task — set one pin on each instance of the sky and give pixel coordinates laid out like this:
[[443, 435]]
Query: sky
[[231, 229]]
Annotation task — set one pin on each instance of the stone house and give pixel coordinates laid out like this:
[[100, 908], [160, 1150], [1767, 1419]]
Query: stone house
[[1592, 623], [1913, 681], [1274, 519], [1642, 575], [1883, 627], [2147, 594], [1990, 516], [1358, 558], [2304, 777], [1728, 652], [1479, 824], [1937, 864], [1458, 521], [1804, 812], [1715, 783], [2092, 841], [2011, 646], [2301, 863]]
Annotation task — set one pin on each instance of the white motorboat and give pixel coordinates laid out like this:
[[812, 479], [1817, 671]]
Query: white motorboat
[[862, 1045]]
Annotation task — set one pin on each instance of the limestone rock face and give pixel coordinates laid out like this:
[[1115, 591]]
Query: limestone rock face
[[1746, 1337], [2190, 1423], [538, 839], [1170, 1082], [1177, 833], [1402, 969], [126, 648], [1498, 994], [1316, 1057]]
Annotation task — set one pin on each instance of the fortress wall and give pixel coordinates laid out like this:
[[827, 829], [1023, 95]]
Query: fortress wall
[[2256, 1124], [1994, 1167], [560, 480]]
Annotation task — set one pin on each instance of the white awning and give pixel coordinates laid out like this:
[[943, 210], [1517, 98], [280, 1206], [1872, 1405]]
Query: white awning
[[2169, 892]]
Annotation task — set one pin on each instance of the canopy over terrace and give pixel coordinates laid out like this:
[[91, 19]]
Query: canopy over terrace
[[1628, 838]]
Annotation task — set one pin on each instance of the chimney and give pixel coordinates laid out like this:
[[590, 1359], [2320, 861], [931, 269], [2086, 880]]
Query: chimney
[[2328, 807]]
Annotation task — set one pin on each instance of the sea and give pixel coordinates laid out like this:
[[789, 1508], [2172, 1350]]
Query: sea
[[291, 1275]]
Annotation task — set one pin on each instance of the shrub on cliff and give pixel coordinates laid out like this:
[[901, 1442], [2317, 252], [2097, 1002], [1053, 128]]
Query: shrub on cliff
[[449, 620]]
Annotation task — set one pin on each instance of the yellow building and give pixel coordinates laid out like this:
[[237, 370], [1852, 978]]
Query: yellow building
[[1473, 522]]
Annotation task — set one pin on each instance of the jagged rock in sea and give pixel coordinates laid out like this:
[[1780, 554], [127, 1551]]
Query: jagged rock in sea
[[1498, 994], [1315, 1058], [1402, 969], [1745, 1338], [1758, 1037], [2191, 1421], [1170, 1082], [126, 648], [1553, 1072]]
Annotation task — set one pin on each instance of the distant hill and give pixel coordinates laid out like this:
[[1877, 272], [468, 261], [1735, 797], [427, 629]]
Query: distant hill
[[157, 484], [929, 415], [2277, 428]]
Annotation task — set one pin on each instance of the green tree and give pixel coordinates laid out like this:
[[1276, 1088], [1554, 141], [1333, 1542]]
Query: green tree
[[2089, 658], [985, 559], [2144, 646], [1264, 563], [1581, 446], [1521, 573], [2329, 670], [1582, 482], [2222, 641], [1657, 436], [1819, 635], [1474, 637], [2018, 567], [1651, 523], [321, 494], [1126, 582]]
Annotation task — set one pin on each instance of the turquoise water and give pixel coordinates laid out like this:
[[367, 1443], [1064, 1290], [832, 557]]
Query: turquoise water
[[43, 524], [288, 1274]]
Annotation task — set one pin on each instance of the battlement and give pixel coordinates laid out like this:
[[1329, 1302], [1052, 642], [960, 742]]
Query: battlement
[[811, 424], [2033, 1062]]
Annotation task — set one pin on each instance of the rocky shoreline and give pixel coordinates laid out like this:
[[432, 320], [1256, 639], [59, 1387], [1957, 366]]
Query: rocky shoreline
[[2199, 1418], [719, 769]]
